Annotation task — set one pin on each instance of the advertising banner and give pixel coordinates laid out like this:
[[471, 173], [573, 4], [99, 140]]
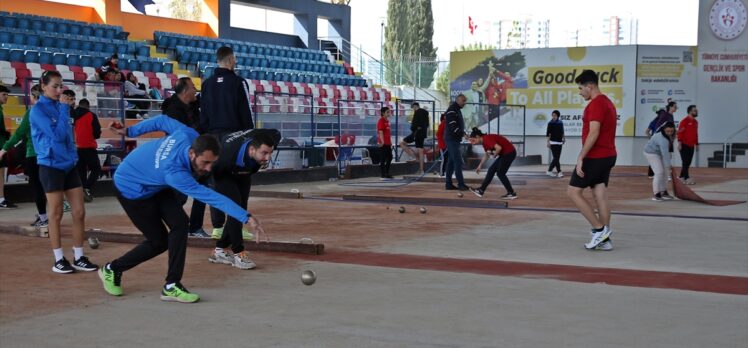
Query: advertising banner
[[664, 73], [542, 80]]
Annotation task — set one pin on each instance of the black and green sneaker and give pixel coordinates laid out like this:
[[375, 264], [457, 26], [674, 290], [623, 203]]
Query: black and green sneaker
[[111, 280], [178, 293]]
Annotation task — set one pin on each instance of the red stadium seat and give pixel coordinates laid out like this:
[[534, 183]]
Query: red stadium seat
[[18, 65], [21, 75], [48, 67], [154, 82], [75, 69]]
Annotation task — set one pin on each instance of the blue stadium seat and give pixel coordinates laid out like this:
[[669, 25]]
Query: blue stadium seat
[[49, 26], [5, 36], [37, 25], [16, 55], [208, 72], [86, 45], [253, 74], [145, 66], [33, 40], [63, 28], [121, 48], [252, 49], [75, 29], [162, 41], [172, 43], [200, 44], [168, 68], [18, 39], [59, 59], [109, 33], [133, 65], [45, 57], [86, 30], [98, 31], [85, 60], [98, 47], [74, 45], [157, 66], [73, 60], [109, 48], [48, 41], [24, 23], [4, 54], [98, 61], [8, 22], [144, 51], [62, 43], [273, 64]]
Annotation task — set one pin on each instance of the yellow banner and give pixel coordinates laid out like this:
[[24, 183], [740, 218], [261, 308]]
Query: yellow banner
[[558, 98], [565, 75]]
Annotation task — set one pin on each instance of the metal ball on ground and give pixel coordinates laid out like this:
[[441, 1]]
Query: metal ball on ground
[[93, 242], [459, 194], [402, 210], [423, 210], [308, 277]]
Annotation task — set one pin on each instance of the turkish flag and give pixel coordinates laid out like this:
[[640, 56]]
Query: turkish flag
[[471, 25]]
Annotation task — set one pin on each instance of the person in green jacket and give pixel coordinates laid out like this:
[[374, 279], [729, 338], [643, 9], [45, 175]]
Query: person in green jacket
[[30, 167], [4, 135]]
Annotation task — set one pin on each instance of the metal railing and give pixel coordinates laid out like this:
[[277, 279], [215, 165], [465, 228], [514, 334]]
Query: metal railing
[[375, 69], [727, 146]]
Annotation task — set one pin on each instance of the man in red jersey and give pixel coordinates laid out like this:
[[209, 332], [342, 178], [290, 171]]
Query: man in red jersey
[[595, 161]]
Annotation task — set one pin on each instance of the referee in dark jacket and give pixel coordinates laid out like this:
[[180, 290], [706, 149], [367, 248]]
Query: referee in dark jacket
[[224, 100], [243, 153]]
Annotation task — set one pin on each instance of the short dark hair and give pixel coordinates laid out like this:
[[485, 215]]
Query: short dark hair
[[4, 89], [383, 110], [181, 84], [587, 76], [670, 105], [83, 103], [223, 52], [69, 93], [556, 112], [262, 138], [205, 142], [476, 133], [415, 104], [460, 96], [690, 107], [48, 75]]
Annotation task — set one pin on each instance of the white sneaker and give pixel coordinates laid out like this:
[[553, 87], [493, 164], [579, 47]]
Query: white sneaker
[[605, 246], [560, 175], [549, 173], [220, 257], [242, 261], [598, 237]]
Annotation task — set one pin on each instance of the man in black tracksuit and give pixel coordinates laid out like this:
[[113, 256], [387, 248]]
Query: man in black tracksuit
[[224, 101], [243, 153], [419, 128], [453, 134], [224, 108]]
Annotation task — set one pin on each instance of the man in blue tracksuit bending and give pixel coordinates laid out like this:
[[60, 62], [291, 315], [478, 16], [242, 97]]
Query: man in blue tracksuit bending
[[146, 181]]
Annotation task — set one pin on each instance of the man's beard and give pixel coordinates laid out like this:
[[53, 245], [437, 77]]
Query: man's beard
[[197, 173]]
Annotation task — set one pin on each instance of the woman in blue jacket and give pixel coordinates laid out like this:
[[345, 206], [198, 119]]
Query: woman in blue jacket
[[52, 135]]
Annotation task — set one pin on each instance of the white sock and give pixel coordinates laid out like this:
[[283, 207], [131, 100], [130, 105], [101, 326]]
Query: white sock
[[169, 286], [43, 217], [220, 251], [58, 254], [78, 252]]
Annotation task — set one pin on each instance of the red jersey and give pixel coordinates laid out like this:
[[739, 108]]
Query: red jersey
[[602, 110], [86, 132], [383, 125], [491, 140], [440, 136], [688, 131], [493, 93]]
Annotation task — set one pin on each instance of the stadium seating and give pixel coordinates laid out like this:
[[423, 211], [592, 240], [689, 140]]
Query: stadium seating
[[260, 61]]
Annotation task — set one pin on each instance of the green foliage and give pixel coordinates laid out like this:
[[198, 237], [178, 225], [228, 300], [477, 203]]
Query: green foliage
[[191, 10], [408, 39]]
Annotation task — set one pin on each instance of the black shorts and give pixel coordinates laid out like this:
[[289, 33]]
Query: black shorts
[[596, 171], [416, 137], [57, 180]]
